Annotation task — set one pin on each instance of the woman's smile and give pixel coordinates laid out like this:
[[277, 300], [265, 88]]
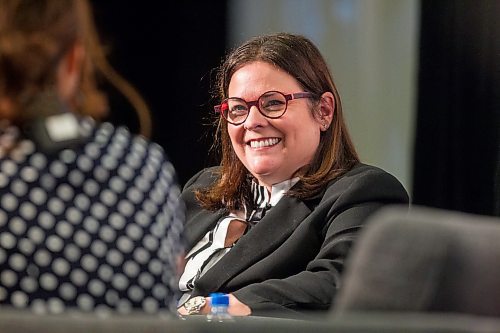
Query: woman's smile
[[263, 143]]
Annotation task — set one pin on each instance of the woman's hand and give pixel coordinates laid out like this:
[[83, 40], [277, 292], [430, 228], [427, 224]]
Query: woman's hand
[[236, 308]]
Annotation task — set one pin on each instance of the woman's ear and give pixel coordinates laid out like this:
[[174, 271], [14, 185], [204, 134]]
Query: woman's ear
[[69, 72], [326, 110]]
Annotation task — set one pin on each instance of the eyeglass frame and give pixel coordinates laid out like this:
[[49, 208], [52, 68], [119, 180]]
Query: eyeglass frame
[[288, 97]]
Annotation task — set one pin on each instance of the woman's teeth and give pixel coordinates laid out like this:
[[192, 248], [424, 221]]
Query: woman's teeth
[[264, 143]]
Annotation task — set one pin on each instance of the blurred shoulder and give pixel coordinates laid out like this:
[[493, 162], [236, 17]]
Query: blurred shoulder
[[119, 138], [129, 150]]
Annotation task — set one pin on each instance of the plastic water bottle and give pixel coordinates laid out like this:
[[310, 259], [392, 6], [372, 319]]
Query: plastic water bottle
[[219, 304]]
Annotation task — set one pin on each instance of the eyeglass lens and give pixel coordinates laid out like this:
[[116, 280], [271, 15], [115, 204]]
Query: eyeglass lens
[[271, 104]]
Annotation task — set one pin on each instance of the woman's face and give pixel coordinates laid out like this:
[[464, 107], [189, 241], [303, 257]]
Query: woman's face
[[272, 149]]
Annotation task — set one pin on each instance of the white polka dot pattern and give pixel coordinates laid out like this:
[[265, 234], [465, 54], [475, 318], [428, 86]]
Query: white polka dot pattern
[[93, 227]]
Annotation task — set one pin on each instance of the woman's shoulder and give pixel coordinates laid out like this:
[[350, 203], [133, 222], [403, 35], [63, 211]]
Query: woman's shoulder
[[203, 178], [362, 171], [366, 180]]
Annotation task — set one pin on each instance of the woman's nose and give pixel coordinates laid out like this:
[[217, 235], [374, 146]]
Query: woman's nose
[[254, 119]]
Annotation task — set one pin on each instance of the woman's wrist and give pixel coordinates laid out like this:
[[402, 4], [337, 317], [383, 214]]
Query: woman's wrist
[[238, 308], [201, 305], [195, 305]]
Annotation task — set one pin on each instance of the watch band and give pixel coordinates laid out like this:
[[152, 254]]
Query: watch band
[[194, 305]]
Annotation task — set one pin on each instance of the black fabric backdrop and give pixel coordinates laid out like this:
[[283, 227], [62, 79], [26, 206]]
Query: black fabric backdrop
[[167, 50], [457, 139]]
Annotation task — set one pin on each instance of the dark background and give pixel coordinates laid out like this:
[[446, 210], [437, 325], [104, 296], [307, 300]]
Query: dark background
[[169, 52], [457, 150]]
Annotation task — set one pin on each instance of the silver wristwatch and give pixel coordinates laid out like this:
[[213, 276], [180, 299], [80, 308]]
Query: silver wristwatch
[[194, 305]]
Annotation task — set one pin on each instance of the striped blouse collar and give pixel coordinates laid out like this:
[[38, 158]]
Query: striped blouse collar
[[263, 198]]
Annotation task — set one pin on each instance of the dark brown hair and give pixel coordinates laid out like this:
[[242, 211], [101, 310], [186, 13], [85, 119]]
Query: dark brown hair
[[336, 154], [34, 36]]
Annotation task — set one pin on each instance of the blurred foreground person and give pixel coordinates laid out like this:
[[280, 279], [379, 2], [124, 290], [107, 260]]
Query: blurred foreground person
[[90, 216]]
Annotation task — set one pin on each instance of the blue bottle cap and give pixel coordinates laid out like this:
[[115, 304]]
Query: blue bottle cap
[[219, 299]]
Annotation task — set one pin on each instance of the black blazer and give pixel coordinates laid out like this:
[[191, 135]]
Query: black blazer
[[292, 259]]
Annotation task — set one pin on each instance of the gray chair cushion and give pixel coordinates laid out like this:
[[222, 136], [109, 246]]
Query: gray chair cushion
[[424, 260]]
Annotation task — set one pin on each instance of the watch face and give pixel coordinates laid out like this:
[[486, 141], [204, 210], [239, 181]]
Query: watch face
[[194, 305]]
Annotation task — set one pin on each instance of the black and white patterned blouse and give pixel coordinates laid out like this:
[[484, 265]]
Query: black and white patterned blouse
[[96, 227], [210, 249]]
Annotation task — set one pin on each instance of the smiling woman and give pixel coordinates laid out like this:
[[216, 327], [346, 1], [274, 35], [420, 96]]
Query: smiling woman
[[295, 134], [290, 192]]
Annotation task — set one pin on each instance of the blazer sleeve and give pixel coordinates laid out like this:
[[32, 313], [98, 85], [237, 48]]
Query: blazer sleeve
[[343, 209]]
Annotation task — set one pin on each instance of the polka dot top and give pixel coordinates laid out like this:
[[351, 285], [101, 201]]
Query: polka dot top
[[97, 227]]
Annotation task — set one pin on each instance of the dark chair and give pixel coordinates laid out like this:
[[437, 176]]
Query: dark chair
[[426, 261]]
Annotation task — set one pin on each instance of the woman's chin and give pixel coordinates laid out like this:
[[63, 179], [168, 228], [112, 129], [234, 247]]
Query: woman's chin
[[266, 176], [265, 169], [261, 173], [262, 166]]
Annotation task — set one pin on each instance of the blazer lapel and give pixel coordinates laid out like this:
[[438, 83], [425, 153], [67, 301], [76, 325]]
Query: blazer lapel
[[197, 227], [276, 226]]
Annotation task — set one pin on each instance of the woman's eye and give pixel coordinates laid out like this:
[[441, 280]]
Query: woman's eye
[[238, 109], [273, 104]]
